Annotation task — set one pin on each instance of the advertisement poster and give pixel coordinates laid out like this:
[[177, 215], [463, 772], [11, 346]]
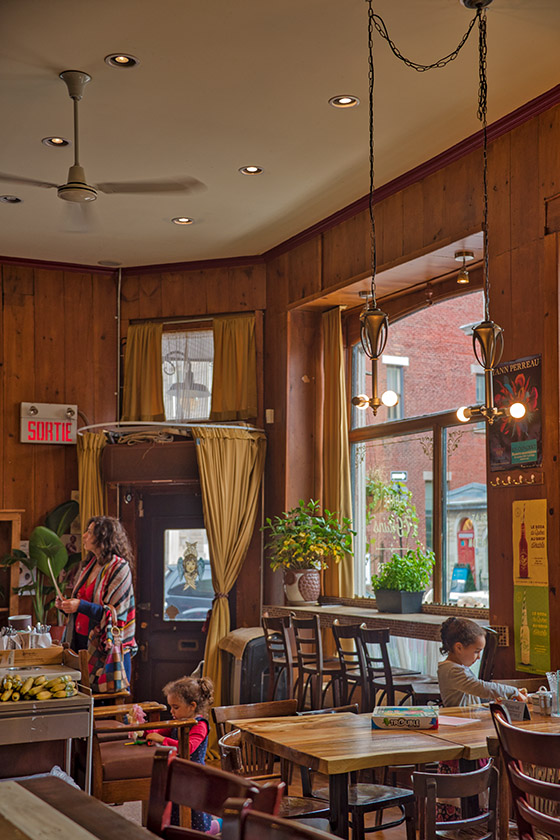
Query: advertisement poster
[[517, 443], [530, 579], [531, 627], [530, 559]]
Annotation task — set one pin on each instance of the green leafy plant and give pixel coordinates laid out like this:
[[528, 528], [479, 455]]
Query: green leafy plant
[[46, 552], [408, 572], [302, 538], [395, 499]]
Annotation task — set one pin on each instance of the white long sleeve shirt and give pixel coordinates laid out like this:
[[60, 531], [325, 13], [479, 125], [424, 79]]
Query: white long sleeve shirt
[[459, 687]]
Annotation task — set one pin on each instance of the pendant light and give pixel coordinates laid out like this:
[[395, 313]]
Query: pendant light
[[374, 323], [488, 337]]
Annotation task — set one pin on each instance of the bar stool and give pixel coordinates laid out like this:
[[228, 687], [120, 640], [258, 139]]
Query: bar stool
[[314, 673], [278, 636]]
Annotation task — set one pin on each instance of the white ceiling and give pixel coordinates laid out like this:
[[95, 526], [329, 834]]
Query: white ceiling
[[224, 83]]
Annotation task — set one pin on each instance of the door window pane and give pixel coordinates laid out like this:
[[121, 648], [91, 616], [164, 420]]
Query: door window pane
[[392, 501], [465, 522], [187, 584], [187, 367]]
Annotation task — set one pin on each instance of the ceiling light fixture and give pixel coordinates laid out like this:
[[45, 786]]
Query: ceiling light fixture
[[488, 337], [374, 323], [463, 276], [121, 60], [345, 101], [250, 170], [56, 142], [10, 199], [182, 220]]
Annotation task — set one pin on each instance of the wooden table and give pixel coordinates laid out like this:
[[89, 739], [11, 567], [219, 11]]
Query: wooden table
[[49, 809], [338, 744]]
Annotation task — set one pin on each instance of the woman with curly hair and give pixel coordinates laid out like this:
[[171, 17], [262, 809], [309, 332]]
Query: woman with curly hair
[[106, 579]]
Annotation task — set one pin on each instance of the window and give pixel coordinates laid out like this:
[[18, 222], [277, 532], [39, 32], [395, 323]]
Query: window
[[442, 461], [394, 379], [187, 576], [187, 359]]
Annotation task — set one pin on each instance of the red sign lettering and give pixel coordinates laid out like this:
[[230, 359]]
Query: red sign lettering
[[31, 430]]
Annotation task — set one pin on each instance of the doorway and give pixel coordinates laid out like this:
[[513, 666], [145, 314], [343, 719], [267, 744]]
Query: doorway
[[174, 588]]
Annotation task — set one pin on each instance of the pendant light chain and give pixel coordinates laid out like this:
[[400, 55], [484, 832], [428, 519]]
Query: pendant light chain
[[371, 77], [482, 116]]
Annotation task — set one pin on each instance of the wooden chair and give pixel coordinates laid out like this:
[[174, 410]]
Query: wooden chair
[[526, 755], [314, 672], [278, 635], [175, 780], [292, 807], [380, 676], [123, 772], [367, 798], [350, 662], [241, 822], [429, 786], [486, 670]]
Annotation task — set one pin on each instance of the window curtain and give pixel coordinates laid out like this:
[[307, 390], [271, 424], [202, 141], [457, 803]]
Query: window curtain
[[234, 386], [90, 483], [231, 464], [143, 383], [338, 578]]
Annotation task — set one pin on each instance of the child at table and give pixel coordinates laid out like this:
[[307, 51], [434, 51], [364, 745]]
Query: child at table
[[189, 698], [463, 641]]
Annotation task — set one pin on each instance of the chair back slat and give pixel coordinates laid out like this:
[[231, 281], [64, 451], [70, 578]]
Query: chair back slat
[[376, 666], [274, 708], [278, 636], [240, 823]]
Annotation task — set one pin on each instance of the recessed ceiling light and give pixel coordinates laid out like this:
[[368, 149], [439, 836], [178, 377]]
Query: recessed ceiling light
[[10, 199], [109, 263], [250, 170], [182, 220], [121, 60], [57, 142], [345, 101]]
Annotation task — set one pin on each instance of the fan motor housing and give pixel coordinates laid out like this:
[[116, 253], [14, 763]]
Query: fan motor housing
[[76, 188]]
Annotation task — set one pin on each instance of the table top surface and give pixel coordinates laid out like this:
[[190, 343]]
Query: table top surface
[[339, 743], [48, 808]]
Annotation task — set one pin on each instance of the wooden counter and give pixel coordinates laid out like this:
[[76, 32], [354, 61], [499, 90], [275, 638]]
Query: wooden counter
[[411, 625]]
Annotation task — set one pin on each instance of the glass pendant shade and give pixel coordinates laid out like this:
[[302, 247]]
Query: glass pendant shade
[[488, 344], [373, 332]]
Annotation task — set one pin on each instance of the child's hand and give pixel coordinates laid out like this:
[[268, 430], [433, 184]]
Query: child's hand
[[154, 738], [521, 695]]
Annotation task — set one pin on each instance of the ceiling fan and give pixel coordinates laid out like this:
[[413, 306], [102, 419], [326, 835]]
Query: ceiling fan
[[76, 188]]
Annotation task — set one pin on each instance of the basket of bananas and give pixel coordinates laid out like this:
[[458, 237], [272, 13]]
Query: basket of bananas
[[16, 688]]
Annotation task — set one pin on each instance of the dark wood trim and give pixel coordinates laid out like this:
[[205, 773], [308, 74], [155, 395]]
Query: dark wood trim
[[196, 265], [58, 266]]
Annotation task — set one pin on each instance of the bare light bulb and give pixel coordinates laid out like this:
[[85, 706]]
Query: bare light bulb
[[361, 402], [389, 398], [464, 414], [517, 410]]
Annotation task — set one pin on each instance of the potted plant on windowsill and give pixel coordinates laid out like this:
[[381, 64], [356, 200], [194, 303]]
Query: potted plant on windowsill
[[402, 580], [302, 542]]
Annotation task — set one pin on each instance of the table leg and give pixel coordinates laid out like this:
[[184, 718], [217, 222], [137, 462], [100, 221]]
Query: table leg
[[338, 797]]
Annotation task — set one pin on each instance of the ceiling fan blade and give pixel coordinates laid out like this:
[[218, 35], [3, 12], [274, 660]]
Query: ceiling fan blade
[[138, 187], [16, 179], [79, 217]]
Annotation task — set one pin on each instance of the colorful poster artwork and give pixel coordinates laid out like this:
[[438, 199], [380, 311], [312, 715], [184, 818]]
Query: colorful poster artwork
[[531, 628], [530, 558], [517, 443]]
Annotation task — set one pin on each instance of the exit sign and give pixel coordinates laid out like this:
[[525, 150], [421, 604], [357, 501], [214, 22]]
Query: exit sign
[[48, 423]]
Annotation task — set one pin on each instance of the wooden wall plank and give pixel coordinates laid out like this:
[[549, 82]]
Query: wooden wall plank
[[304, 269], [149, 302], [346, 250], [499, 196], [527, 213], [173, 294], [104, 358]]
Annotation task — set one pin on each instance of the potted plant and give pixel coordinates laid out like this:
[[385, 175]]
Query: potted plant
[[47, 559], [302, 542], [402, 580]]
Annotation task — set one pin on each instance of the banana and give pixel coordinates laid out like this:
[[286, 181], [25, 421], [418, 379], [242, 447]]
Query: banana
[[44, 695], [57, 686], [35, 690], [6, 695], [15, 696], [63, 693], [28, 684], [60, 678], [40, 680], [7, 683]]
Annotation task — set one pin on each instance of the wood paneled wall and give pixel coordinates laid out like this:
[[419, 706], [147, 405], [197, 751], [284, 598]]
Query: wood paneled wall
[[58, 345]]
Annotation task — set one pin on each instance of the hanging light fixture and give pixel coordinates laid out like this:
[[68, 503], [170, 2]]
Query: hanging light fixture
[[463, 256], [488, 337], [374, 323]]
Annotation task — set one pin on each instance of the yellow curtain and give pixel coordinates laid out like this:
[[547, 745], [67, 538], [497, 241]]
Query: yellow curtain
[[231, 464], [143, 383], [90, 483], [234, 382], [337, 497]]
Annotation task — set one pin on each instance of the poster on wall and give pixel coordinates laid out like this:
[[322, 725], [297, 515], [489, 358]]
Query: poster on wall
[[517, 443], [530, 579]]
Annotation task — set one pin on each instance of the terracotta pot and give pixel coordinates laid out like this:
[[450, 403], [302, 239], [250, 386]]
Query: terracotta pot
[[302, 587]]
